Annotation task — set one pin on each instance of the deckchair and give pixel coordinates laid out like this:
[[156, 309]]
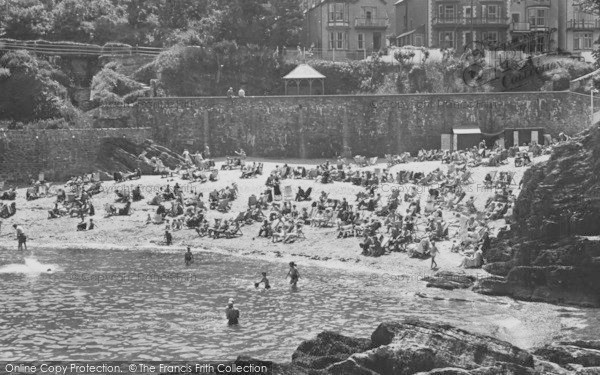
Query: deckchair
[[223, 205], [234, 231]]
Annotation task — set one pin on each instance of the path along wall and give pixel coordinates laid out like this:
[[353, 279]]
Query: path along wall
[[60, 154], [372, 125]]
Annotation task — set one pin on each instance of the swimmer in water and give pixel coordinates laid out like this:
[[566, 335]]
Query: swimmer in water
[[189, 257], [264, 280], [232, 313], [293, 274]]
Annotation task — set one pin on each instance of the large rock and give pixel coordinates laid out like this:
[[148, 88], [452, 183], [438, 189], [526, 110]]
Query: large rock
[[552, 252], [449, 280], [586, 354], [412, 346], [327, 348], [120, 154]]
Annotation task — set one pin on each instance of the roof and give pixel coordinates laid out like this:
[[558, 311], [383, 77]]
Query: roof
[[471, 130], [304, 71], [407, 33]]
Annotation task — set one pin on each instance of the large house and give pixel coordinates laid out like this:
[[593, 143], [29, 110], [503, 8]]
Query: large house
[[348, 27], [534, 26], [451, 23], [579, 30]]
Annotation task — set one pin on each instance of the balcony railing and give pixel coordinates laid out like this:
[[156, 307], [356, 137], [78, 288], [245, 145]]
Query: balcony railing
[[341, 23], [539, 3], [371, 22], [470, 21], [520, 26], [583, 24]]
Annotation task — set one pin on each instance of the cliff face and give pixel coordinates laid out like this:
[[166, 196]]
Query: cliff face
[[552, 252]]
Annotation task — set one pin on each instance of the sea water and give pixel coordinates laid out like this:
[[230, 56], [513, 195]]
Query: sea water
[[134, 305]]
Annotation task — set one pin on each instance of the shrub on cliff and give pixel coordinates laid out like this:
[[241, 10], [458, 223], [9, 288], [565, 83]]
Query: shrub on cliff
[[29, 90], [111, 87]]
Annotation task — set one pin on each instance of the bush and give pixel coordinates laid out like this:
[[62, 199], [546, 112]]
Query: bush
[[146, 73], [110, 87]]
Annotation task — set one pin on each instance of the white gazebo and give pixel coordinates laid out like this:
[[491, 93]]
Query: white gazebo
[[301, 73]]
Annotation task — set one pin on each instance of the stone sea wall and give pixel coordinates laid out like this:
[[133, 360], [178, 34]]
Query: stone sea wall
[[58, 153], [372, 125]]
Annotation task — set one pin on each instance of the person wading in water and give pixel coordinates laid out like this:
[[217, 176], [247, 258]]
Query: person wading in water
[[189, 257], [293, 274], [263, 280], [232, 314]]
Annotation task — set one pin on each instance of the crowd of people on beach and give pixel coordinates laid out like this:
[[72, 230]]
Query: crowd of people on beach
[[414, 218]]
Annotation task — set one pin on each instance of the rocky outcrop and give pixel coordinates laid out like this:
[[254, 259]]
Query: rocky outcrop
[[552, 252], [415, 347], [120, 154], [449, 280], [328, 348]]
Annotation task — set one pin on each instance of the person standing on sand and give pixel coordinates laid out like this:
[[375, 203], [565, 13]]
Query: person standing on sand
[[293, 274], [189, 257], [21, 237], [433, 251], [232, 314]]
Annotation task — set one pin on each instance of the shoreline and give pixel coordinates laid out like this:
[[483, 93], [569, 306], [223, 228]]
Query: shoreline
[[355, 267]]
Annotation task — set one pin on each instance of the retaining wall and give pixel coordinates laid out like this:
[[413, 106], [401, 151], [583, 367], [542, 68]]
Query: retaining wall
[[372, 125], [60, 154]]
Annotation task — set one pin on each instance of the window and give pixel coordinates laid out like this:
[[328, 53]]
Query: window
[[361, 41], [446, 12], [516, 17], [337, 12], [469, 12], [582, 41], [538, 17], [337, 40], [369, 12], [493, 13], [446, 39], [418, 40], [490, 37]]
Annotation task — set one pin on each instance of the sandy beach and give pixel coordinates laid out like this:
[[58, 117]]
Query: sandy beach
[[321, 246]]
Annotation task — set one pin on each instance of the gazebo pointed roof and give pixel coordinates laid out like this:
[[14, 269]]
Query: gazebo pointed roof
[[304, 71]]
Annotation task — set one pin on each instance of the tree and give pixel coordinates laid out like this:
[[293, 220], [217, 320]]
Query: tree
[[28, 90], [87, 20], [26, 20], [286, 22]]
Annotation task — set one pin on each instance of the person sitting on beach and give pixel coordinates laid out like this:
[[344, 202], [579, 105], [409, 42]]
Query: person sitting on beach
[[91, 225], [9, 195], [265, 230], [136, 194], [474, 261], [82, 225], [263, 280], [231, 313], [125, 210]]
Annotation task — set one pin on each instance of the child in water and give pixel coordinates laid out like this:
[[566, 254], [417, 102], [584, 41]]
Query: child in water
[[264, 280]]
